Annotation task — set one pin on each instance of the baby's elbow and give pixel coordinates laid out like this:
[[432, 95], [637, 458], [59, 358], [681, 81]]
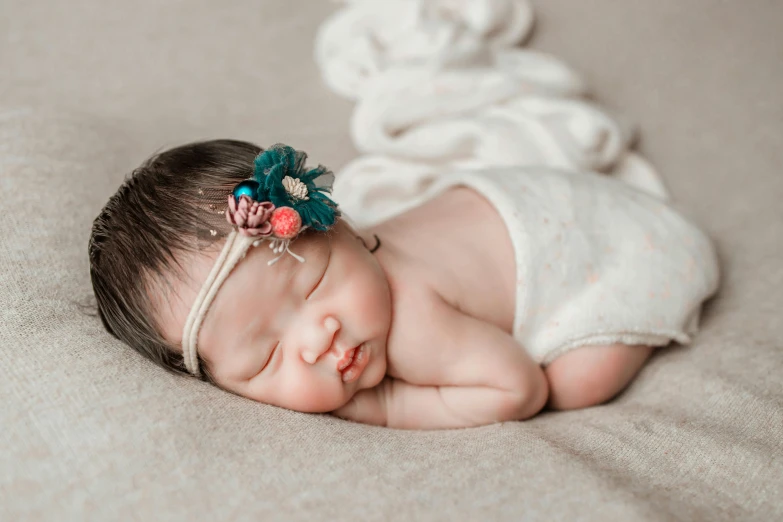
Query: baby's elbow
[[527, 396]]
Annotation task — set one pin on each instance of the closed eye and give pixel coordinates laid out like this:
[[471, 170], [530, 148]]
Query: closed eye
[[271, 354], [317, 284]]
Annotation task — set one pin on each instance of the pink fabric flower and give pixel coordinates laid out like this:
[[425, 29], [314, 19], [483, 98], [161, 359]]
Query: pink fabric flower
[[251, 217]]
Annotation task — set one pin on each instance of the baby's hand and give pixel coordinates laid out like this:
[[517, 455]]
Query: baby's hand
[[471, 373], [398, 404]]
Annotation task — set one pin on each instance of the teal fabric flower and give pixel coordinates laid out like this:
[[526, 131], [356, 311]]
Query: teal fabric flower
[[284, 180]]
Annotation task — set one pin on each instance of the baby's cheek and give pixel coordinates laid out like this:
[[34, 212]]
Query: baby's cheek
[[373, 301]]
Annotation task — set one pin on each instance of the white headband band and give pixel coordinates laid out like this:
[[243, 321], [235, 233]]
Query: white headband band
[[235, 249]]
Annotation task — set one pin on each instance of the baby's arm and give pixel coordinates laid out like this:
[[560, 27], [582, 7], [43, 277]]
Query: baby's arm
[[477, 375]]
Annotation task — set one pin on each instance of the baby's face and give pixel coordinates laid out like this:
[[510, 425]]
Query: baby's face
[[282, 334]]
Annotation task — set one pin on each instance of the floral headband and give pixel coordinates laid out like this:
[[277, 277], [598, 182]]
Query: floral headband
[[280, 200]]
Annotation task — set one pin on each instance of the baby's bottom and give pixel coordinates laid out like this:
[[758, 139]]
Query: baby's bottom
[[591, 375]]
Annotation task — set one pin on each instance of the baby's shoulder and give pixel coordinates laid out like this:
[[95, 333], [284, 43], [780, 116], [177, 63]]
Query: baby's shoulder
[[444, 252]]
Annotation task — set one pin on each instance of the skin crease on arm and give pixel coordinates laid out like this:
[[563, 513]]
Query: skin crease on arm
[[478, 375]]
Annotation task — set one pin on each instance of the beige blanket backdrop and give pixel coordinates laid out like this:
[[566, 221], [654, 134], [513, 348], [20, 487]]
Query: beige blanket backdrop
[[90, 431]]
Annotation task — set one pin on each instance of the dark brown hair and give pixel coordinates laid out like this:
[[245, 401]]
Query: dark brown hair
[[171, 205]]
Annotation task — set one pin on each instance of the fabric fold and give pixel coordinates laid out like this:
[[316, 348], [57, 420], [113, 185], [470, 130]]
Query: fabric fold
[[440, 85]]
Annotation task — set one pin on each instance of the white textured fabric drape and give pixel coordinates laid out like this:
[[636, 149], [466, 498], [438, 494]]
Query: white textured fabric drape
[[443, 84]]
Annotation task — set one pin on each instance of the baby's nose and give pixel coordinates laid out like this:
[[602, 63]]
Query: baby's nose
[[324, 342]]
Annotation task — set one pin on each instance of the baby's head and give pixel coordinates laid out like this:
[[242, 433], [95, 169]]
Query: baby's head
[[177, 277]]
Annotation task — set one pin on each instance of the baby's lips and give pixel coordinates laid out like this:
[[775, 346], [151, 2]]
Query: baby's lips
[[346, 360], [357, 366]]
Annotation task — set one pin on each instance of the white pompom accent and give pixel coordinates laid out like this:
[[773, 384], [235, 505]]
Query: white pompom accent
[[296, 188]]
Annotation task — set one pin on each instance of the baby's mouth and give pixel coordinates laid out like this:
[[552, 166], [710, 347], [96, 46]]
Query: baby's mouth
[[347, 359], [353, 363]]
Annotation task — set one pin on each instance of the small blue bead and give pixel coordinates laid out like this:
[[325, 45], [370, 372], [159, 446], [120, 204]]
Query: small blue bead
[[247, 188]]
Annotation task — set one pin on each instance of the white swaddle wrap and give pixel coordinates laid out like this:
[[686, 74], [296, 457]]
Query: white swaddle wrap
[[598, 262]]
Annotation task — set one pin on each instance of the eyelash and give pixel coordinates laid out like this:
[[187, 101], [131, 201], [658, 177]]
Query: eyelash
[[316, 285], [271, 355]]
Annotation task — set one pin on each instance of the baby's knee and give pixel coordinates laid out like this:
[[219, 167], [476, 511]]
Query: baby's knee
[[592, 375]]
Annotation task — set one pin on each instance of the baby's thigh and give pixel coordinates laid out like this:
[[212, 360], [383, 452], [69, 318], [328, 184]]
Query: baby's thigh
[[591, 375]]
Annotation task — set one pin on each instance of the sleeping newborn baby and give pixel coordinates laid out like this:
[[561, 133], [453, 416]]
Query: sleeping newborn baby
[[499, 293]]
